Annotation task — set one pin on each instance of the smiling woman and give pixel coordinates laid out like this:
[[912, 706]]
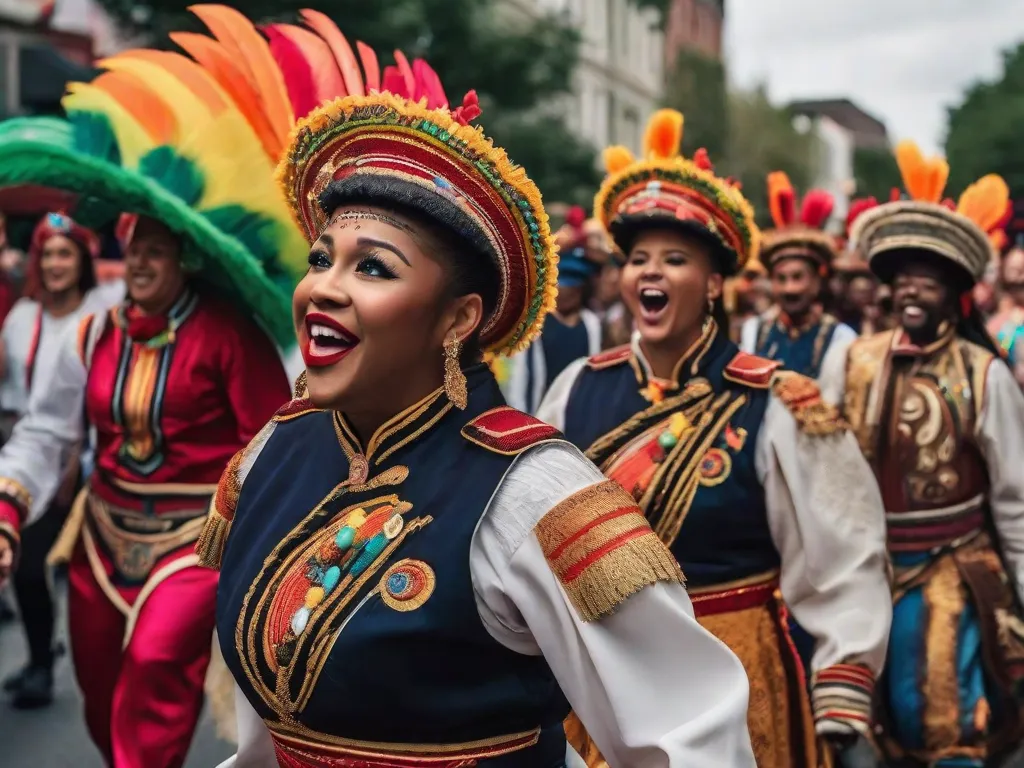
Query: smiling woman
[[475, 566], [728, 458]]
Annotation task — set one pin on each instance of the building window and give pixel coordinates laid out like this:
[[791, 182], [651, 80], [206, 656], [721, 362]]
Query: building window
[[609, 15], [613, 128], [631, 128]]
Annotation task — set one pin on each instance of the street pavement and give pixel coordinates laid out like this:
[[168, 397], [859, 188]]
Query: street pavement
[[55, 737]]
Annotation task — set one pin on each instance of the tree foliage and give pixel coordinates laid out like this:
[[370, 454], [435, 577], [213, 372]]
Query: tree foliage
[[696, 87], [984, 134], [762, 139], [515, 64], [875, 172]]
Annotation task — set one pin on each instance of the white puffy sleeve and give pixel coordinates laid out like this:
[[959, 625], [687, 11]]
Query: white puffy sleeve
[[832, 376], [826, 518], [32, 461], [748, 334], [255, 745], [1001, 439], [565, 566], [556, 400]]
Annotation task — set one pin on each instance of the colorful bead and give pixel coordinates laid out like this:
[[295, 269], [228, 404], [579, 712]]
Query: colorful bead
[[331, 578], [667, 440], [299, 620], [345, 538], [679, 425], [314, 597], [356, 518], [371, 550]]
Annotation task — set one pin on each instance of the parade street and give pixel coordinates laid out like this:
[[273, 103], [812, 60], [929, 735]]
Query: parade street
[[56, 737]]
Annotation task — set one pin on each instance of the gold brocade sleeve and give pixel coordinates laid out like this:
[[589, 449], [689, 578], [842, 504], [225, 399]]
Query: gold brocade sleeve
[[602, 549], [802, 397]]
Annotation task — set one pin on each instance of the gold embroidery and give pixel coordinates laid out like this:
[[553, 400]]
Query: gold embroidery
[[407, 585], [602, 550], [943, 595], [300, 390], [99, 573], [158, 578], [802, 396], [212, 540], [134, 553]]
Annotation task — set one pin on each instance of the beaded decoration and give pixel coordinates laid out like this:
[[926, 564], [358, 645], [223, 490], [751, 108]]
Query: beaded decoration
[[407, 585]]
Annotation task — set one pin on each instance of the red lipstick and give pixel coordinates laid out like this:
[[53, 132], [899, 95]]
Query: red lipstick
[[327, 341]]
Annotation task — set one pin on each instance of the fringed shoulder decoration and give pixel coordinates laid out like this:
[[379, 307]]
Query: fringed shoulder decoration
[[507, 431], [802, 397], [214, 536], [600, 546], [751, 370], [610, 358]]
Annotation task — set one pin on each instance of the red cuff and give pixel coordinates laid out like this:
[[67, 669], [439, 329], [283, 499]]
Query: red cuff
[[10, 522], [841, 696]]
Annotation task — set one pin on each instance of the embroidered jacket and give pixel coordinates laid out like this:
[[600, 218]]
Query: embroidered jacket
[[371, 607], [731, 461], [171, 400]]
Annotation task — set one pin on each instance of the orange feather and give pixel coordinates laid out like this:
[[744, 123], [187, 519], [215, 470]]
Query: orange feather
[[342, 51], [236, 33], [781, 199], [664, 134], [617, 158], [985, 202], [218, 61], [188, 72], [147, 108], [924, 179], [329, 82]]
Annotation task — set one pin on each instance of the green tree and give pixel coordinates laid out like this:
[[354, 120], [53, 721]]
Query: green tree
[[696, 87], [762, 139], [984, 134], [514, 64], [875, 172]]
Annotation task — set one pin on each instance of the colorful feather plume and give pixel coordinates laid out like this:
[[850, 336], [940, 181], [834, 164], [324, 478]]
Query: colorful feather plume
[[816, 208], [194, 140], [857, 207], [986, 202], [924, 179], [664, 134], [781, 199], [617, 158]]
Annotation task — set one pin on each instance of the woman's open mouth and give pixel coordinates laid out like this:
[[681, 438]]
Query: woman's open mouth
[[328, 341], [653, 302]]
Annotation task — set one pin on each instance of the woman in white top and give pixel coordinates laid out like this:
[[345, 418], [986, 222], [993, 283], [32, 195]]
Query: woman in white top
[[60, 289]]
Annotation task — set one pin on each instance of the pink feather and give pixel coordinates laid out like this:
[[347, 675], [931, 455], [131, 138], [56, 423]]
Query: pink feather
[[817, 207], [298, 74], [370, 65], [428, 85], [393, 82], [322, 66], [328, 30], [408, 79]]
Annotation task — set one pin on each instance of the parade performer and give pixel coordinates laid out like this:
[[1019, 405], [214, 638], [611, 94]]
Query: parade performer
[[60, 289], [798, 254], [570, 331], [172, 383], [412, 572], [939, 416], [742, 469], [1007, 327]]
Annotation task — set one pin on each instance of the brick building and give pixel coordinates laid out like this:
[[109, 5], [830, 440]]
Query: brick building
[[694, 25]]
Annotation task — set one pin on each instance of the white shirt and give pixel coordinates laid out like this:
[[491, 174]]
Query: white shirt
[[652, 687]]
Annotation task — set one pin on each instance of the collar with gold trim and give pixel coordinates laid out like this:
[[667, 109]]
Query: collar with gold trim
[[688, 366]]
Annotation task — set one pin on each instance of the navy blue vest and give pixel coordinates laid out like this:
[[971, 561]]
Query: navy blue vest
[[701, 495], [394, 653], [798, 350]]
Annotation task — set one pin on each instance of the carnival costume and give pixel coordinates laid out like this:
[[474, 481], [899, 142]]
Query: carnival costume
[[743, 470], [817, 346], [424, 598], [170, 399], [941, 426]]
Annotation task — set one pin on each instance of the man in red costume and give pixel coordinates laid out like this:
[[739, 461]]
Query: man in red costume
[[174, 382]]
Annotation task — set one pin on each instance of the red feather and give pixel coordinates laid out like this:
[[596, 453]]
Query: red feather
[[949, 203], [857, 207], [702, 161], [407, 76], [393, 81], [470, 109], [370, 66], [895, 194], [787, 206], [816, 208], [298, 74], [428, 85]]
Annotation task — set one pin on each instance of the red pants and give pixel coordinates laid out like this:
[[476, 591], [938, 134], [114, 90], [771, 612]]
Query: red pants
[[142, 702]]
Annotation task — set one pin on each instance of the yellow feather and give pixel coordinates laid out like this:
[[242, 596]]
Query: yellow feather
[[132, 140], [985, 201], [664, 134], [617, 158]]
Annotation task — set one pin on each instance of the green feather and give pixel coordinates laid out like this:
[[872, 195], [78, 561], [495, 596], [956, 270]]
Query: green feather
[[177, 174], [94, 136]]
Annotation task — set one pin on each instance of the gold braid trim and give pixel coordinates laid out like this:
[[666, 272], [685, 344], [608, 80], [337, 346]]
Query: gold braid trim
[[602, 549], [802, 397], [210, 544]]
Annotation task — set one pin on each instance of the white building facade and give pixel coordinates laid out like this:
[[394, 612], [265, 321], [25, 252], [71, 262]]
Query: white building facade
[[620, 78]]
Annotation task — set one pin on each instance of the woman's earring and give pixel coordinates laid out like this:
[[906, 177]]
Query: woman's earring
[[711, 307], [454, 378]]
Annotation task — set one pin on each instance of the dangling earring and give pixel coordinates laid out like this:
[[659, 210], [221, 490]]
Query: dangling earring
[[454, 378]]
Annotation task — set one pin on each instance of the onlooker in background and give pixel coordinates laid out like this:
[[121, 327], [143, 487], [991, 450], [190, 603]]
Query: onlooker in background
[[60, 289], [570, 332], [12, 262], [1008, 326]]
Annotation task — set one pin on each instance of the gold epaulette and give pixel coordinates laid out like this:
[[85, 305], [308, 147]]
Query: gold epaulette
[[295, 408], [507, 431], [751, 370], [802, 397], [610, 357], [600, 546]]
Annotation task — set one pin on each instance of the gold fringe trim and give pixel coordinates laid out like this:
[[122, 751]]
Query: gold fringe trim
[[64, 547], [210, 544], [944, 598], [802, 397]]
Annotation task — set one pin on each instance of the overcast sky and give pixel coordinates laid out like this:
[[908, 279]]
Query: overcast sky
[[903, 61]]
